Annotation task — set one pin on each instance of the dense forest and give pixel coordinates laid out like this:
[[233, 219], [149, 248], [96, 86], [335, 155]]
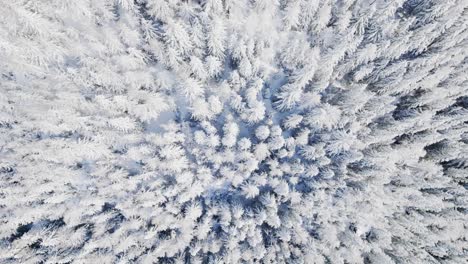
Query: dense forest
[[234, 131]]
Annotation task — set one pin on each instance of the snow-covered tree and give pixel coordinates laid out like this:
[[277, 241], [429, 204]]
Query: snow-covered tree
[[233, 131]]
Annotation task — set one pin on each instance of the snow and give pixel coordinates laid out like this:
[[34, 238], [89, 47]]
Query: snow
[[234, 131]]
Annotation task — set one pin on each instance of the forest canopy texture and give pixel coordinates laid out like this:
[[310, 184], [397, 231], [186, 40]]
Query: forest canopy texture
[[234, 131]]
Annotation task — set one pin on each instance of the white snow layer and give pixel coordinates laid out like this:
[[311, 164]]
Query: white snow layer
[[233, 131]]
